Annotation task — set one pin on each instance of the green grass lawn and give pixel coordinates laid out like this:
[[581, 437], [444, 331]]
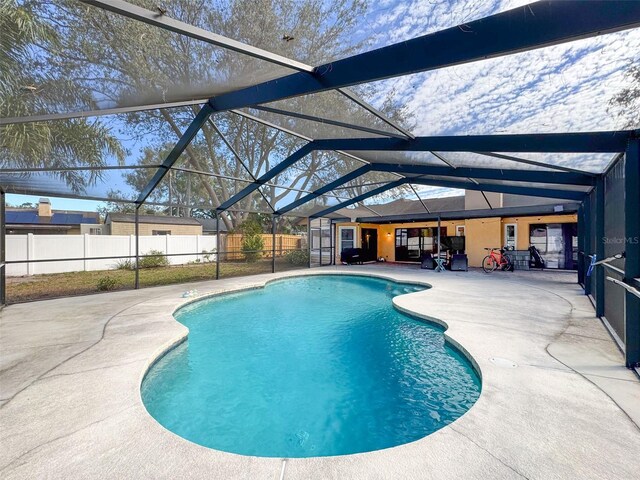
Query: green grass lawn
[[37, 287]]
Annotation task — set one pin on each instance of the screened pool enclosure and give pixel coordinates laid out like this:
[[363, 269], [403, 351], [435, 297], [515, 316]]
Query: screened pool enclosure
[[249, 111]]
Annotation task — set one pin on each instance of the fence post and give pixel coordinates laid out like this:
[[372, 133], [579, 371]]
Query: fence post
[[85, 263], [632, 252], [31, 254]]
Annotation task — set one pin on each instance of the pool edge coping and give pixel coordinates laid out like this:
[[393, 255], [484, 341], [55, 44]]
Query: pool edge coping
[[182, 337]]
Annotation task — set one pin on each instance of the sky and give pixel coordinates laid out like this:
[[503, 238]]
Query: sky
[[563, 88]]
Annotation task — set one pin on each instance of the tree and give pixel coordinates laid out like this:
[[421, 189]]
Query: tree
[[116, 61], [24, 206], [118, 207], [627, 101], [27, 86]]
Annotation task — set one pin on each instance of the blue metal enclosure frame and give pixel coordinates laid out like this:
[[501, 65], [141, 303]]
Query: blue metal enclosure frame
[[521, 29]]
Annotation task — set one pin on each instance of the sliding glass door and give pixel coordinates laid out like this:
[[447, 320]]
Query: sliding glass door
[[413, 243]]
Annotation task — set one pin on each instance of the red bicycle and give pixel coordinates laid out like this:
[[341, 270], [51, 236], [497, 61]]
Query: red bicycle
[[497, 259]]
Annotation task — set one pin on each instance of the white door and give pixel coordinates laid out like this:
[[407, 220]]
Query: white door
[[511, 235]]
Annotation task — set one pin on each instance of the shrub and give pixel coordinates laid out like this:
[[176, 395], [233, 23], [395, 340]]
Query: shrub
[[298, 258], [106, 283], [126, 265], [154, 259], [251, 244], [208, 257], [252, 241]]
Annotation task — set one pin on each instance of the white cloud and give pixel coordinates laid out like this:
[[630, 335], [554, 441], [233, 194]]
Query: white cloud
[[563, 88]]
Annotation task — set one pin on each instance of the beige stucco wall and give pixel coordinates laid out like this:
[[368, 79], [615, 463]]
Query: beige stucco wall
[[522, 240], [125, 228]]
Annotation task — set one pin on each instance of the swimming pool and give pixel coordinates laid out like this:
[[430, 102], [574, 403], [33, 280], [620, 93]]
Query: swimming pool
[[310, 366]]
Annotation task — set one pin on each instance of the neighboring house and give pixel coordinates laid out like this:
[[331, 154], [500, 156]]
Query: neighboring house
[[124, 224], [45, 221], [209, 226], [404, 230]]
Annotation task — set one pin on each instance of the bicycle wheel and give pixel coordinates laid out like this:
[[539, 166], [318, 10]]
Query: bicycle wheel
[[509, 265], [488, 264]]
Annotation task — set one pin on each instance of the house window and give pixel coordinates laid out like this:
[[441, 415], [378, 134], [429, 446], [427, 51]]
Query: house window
[[459, 230], [347, 238], [95, 231], [510, 235], [161, 232]]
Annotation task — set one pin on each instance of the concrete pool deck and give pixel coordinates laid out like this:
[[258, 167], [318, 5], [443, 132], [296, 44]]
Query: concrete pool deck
[[70, 372]]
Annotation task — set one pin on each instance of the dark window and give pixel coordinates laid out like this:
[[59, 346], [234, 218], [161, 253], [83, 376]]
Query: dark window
[[161, 232]]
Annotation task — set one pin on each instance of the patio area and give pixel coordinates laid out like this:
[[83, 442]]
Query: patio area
[[71, 369]]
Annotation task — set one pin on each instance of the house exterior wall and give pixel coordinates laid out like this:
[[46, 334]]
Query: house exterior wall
[[480, 233], [127, 228], [358, 238]]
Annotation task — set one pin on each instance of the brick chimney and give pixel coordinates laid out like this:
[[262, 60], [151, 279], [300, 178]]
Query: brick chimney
[[44, 209]]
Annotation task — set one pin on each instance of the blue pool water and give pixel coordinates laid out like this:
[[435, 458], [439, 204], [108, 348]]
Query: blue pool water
[[307, 367]]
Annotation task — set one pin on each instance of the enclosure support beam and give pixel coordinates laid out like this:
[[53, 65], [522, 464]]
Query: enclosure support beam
[[586, 260], [516, 190], [239, 159], [359, 198], [218, 250], [309, 239], [137, 232], [374, 111], [329, 121], [521, 29], [166, 22], [274, 221], [184, 141], [3, 237], [584, 142], [320, 240], [327, 188], [632, 252], [599, 271], [561, 178], [525, 161], [270, 174], [581, 243]]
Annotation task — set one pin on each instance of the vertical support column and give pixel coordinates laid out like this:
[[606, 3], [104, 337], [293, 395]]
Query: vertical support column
[[320, 240], [3, 268], [599, 270], [632, 252], [309, 239], [438, 262], [581, 244], [137, 232], [588, 222], [273, 243], [217, 245]]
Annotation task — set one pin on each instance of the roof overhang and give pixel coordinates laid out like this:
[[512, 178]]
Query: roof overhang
[[528, 211]]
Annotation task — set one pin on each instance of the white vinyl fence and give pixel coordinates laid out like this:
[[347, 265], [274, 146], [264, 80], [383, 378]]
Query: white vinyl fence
[[41, 247]]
